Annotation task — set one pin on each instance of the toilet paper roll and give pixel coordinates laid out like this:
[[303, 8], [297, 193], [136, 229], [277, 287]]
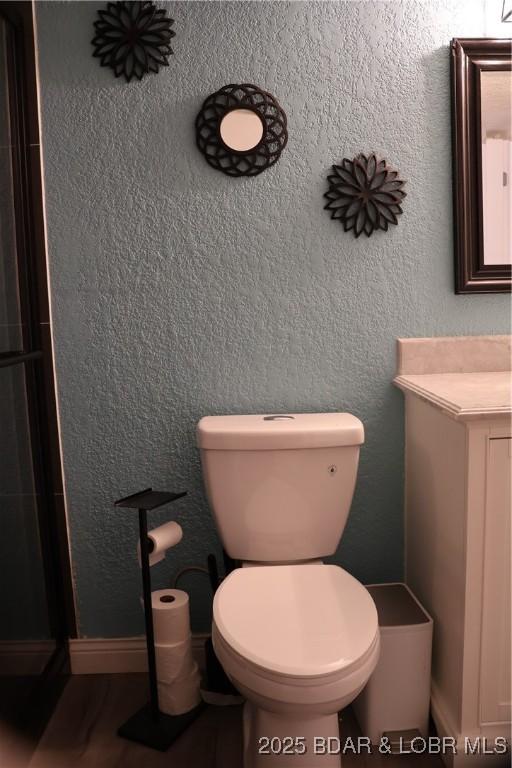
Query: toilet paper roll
[[161, 539], [180, 696], [171, 620], [174, 661]]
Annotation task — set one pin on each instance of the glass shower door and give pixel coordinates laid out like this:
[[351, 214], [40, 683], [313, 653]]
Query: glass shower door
[[31, 633]]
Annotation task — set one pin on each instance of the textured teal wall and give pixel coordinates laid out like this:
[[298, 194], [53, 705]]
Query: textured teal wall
[[179, 292]]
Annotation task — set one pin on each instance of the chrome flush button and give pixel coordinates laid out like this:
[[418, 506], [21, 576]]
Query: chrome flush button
[[277, 417]]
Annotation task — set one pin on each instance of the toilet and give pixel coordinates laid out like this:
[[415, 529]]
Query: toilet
[[298, 638]]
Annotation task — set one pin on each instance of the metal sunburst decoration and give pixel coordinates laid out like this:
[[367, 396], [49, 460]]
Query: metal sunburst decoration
[[364, 194], [133, 38]]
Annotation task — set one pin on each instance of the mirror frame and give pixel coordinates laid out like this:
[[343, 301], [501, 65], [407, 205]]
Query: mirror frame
[[469, 57], [238, 163]]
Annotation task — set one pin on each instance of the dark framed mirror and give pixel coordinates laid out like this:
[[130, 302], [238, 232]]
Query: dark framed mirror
[[481, 71]]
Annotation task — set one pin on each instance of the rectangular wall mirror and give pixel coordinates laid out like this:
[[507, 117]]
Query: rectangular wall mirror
[[482, 164]]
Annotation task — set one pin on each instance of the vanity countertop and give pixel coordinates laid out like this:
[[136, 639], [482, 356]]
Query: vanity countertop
[[464, 396]]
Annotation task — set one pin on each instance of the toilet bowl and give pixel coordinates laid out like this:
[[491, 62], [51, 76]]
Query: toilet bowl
[[299, 642], [299, 639]]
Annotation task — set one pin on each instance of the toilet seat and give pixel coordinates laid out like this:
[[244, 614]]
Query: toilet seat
[[309, 621]]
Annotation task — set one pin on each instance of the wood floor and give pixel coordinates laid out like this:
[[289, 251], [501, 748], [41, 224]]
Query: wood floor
[[82, 734]]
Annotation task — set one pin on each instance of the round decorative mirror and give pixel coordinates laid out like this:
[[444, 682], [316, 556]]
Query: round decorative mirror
[[241, 129]]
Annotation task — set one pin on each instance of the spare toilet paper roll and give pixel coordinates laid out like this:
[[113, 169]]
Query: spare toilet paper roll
[[171, 620], [161, 539], [174, 661], [181, 695]]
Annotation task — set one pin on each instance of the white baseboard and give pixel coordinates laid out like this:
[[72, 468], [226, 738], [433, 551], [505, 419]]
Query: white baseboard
[[25, 657], [444, 726], [110, 655], [463, 759]]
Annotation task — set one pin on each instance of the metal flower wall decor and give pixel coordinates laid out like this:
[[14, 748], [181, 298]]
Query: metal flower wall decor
[[364, 194], [133, 38], [237, 158]]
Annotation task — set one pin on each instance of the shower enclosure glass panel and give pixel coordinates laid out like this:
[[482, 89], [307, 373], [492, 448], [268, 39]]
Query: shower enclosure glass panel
[[33, 626], [10, 319], [24, 619]]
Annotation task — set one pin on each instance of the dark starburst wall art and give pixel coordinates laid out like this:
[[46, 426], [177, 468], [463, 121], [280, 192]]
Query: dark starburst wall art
[[241, 130], [133, 38], [364, 194]]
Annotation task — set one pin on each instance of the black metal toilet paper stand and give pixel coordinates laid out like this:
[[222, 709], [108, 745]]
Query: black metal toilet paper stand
[[150, 726]]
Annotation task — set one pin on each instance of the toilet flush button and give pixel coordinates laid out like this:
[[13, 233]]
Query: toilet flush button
[[277, 417]]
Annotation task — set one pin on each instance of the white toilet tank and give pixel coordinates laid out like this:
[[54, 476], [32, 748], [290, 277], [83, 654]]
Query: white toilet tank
[[280, 486]]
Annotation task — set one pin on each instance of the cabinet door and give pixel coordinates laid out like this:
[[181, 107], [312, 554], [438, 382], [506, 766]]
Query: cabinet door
[[495, 706]]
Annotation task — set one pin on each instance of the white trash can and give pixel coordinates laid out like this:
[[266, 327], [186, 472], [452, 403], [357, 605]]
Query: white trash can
[[397, 696]]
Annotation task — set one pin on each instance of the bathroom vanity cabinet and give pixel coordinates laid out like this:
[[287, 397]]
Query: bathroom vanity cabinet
[[457, 538]]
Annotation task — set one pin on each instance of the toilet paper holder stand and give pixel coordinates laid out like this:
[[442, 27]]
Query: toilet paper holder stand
[[150, 726]]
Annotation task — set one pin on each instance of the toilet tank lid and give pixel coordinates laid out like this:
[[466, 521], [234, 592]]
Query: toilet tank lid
[[279, 431]]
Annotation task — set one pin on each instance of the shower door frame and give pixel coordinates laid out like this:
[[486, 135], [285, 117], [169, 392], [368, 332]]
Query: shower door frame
[[36, 355]]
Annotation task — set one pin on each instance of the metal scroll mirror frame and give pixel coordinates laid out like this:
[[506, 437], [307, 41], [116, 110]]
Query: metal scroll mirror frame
[[241, 130]]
